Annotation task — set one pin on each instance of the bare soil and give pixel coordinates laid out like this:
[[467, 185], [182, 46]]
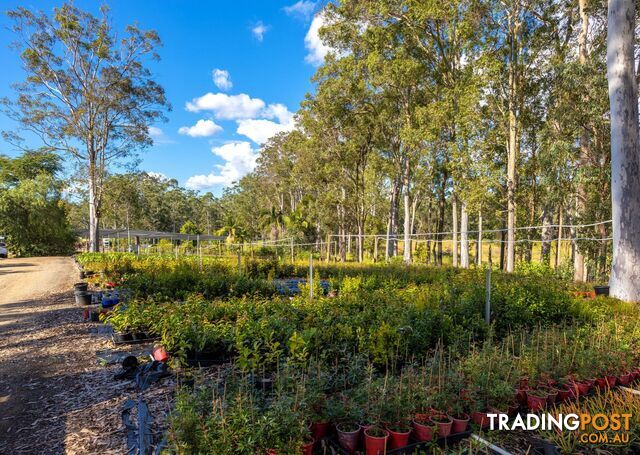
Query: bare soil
[[55, 397]]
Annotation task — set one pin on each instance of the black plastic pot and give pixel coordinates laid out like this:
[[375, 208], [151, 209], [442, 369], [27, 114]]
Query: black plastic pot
[[83, 298], [83, 287], [121, 337], [207, 358], [140, 336], [263, 384], [601, 290]]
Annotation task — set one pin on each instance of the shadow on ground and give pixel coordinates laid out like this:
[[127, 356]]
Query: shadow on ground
[[48, 373]]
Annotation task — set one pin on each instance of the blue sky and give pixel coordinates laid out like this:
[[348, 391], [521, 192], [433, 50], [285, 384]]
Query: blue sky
[[265, 53]]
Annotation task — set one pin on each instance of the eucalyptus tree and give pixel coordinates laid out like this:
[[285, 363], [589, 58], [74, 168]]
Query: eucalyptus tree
[[87, 92], [343, 115], [625, 151]]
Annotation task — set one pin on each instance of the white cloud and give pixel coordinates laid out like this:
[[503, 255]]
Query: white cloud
[[302, 9], [316, 49], [260, 131], [278, 111], [157, 175], [259, 30], [158, 136], [202, 128], [222, 79], [154, 131], [239, 159], [227, 107]]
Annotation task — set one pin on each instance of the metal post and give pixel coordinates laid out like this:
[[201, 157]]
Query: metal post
[[311, 274], [239, 263], [199, 250], [487, 303], [292, 255]]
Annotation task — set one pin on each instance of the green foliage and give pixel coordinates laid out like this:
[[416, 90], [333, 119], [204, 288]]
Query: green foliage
[[388, 314], [33, 217]]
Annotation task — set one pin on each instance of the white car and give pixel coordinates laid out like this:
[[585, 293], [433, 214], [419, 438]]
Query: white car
[[3, 249]]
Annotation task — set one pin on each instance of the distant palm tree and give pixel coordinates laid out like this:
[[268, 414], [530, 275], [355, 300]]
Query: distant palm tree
[[297, 222], [274, 220], [232, 229]]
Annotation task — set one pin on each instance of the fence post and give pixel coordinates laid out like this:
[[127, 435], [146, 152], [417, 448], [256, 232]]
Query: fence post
[[487, 303], [239, 263], [292, 255], [199, 250], [311, 274]]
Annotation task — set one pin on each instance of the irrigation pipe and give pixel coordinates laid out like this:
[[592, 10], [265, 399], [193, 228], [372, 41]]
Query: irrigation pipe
[[491, 447], [628, 389]]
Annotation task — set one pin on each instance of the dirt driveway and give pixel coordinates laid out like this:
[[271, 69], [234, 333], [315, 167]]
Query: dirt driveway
[[23, 280], [55, 397]]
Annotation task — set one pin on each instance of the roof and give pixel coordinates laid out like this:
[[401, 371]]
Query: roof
[[122, 233]]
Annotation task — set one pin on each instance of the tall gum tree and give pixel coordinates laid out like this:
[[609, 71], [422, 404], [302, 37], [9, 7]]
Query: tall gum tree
[[87, 93], [625, 159]]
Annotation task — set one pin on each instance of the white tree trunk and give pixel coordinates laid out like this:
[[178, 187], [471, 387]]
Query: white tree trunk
[[625, 159], [559, 246], [407, 227], [464, 236], [407, 257], [578, 257], [94, 215], [454, 248], [512, 158], [547, 234], [392, 225], [479, 246]]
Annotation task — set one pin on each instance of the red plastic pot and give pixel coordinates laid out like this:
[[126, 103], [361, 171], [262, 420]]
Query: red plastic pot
[[611, 381], [375, 445], [480, 419], [422, 431], [565, 394], [552, 397], [460, 423], [159, 353], [624, 379], [536, 403], [443, 425], [398, 439], [521, 396], [348, 440], [319, 430], [582, 388], [307, 449]]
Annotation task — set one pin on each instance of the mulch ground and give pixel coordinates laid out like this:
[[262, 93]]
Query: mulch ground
[[55, 395]]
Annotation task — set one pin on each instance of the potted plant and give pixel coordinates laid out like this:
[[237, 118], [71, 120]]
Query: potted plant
[[423, 427], [348, 436], [537, 399], [459, 418], [375, 440], [443, 424], [399, 433]]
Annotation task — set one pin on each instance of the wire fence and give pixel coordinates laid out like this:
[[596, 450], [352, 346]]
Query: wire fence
[[425, 246]]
